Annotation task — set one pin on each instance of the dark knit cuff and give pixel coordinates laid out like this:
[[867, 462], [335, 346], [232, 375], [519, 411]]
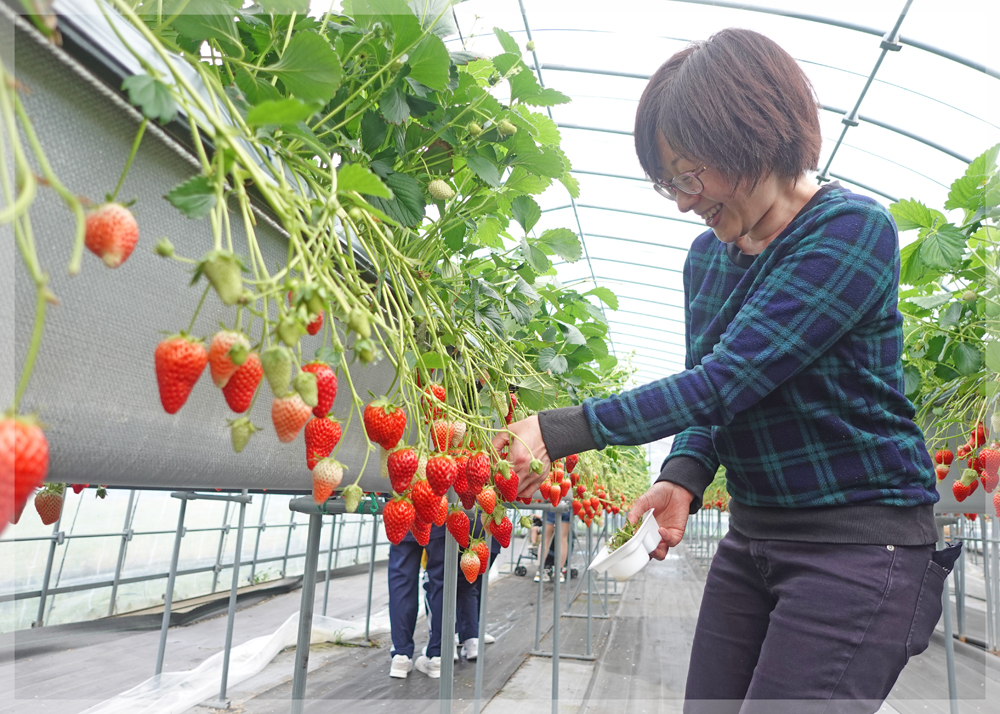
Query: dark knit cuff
[[689, 473], [565, 431]]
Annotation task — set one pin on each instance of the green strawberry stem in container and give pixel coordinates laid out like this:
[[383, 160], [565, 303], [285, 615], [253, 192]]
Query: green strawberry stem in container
[[623, 535]]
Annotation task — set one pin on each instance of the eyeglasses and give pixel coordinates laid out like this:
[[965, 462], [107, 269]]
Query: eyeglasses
[[688, 183]]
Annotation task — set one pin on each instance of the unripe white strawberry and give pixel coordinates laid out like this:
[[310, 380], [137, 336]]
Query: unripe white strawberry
[[440, 190], [505, 128], [458, 435], [530, 45]]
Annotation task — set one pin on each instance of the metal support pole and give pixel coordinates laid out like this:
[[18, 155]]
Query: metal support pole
[[126, 537], [590, 579], [555, 612], [57, 538], [329, 562], [480, 659], [306, 614], [288, 543], [995, 572], [446, 684], [256, 546], [959, 578], [949, 642], [222, 702], [222, 541], [168, 597], [371, 576]]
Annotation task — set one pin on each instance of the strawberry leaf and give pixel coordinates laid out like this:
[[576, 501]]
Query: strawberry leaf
[[548, 97], [407, 204], [285, 7], [206, 20], [484, 169], [152, 96], [429, 63], [355, 177], [993, 356], [508, 43], [967, 358], [943, 248], [910, 215], [393, 104], [604, 295], [195, 198], [255, 89], [536, 259], [281, 111], [309, 68], [548, 360], [521, 312], [526, 212], [564, 243]]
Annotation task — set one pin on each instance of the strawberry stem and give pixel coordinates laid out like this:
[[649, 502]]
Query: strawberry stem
[[198, 309], [36, 341], [128, 162]]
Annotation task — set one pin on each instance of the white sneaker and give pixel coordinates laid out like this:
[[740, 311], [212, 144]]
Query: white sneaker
[[431, 666], [489, 639], [401, 666], [470, 650], [544, 577]]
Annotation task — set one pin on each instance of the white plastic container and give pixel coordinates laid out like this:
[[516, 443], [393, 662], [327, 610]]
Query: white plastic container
[[631, 557]]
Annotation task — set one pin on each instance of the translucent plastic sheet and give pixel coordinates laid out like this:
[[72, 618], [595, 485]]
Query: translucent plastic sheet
[[176, 692]]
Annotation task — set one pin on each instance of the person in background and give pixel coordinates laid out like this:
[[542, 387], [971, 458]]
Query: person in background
[[467, 602], [543, 553], [404, 603], [828, 580]]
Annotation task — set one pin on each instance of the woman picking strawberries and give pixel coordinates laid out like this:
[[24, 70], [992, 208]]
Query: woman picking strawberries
[[828, 580]]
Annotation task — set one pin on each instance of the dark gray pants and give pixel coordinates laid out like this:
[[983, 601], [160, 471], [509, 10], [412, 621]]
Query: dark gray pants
[[797, 628]]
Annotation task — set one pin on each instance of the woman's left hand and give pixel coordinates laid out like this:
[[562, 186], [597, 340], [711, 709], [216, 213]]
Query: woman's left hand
[[525, 440]]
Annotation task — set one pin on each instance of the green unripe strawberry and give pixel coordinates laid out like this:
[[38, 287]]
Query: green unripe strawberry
[[224, 271], [440, 190], [537, 466], [474, 129], [365, 350], [356, 214], [164, 248], [278, 365], [530, 46], [358, 321], [290, 330], [525, 522], [352, 497], [504, 468], [241, 430], [970, 296], [505, 128], [305, 384]]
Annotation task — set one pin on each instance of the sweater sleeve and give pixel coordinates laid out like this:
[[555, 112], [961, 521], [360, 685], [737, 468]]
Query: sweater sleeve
[[808, 297]]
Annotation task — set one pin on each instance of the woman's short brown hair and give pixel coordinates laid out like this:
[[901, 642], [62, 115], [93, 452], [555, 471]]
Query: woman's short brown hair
[[737, 102]]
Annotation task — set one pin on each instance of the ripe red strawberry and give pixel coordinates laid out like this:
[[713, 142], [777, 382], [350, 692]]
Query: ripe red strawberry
[[942, 471], [477, 471], [442, 514], [434, 396], [24, 462], [563, 488], [402, 465], [78, 487], [506, 485], [581, 489], [180, 360], [963, 487], [963, 451], [240, 388], [421, 530], [571, 461], [398, 516], [996, 503], [546, 489], [326, 386], [440, 473], [483, 551], [577, 506], [468, 499], [442, 432], [49, 502], [111, 233], [316, 325], [384, 423], [458, 525], [321, 436], [487, 499], [470, 563], [944, 456], [326, 477], [425, 500], [461, 483], [225, 355], [978, 436], [501, 530], [510, 409], [289, 414], [555, 495], [990, 459]]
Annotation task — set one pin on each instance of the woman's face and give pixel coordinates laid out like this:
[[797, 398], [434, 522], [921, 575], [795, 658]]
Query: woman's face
[[730, 213]]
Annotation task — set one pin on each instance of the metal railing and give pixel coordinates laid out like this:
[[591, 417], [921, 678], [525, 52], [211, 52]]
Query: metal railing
[[358, 527]]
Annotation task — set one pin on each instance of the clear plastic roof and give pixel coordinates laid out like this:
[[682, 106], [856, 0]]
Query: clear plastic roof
[[930, 107]]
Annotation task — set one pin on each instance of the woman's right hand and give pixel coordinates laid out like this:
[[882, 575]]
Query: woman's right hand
[[671, 504]]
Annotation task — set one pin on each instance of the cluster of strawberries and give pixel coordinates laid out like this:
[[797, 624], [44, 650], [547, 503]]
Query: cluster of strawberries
[[983, 467], [420, 481]]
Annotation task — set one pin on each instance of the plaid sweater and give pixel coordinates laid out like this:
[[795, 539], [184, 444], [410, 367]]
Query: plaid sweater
[[793, 378]]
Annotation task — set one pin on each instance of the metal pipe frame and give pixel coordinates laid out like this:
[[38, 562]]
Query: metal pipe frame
[[57, 538], [126, 537], [168, 597], [224, 531], [301, 668]]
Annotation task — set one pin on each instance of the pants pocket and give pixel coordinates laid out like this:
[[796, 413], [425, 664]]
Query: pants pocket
[[929, 603]]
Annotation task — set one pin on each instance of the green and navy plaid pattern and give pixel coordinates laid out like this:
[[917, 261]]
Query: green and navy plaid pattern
[[793, 378]]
